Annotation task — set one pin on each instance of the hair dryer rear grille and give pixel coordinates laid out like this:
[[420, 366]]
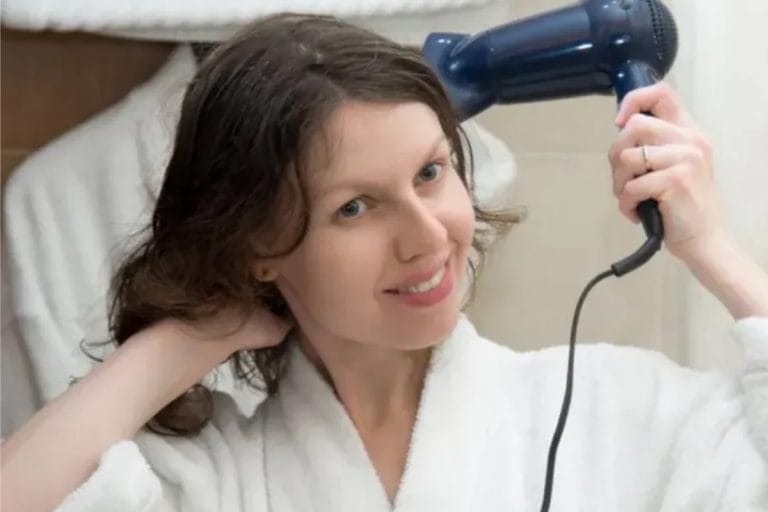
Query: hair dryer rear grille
[[664, 32]]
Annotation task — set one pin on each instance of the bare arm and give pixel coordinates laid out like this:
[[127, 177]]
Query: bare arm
[[733, 277], [113, 402]]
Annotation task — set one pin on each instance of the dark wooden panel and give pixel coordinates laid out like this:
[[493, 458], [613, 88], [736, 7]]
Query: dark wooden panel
[[53, 81]]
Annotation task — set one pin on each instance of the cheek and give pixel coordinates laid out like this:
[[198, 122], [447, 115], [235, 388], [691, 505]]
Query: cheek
[[332, 267], [460, 217]]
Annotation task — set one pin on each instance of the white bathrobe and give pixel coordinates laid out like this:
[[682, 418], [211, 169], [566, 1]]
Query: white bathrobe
[[643, 435]]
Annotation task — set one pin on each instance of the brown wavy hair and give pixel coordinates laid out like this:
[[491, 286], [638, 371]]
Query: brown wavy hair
[[238, 167]]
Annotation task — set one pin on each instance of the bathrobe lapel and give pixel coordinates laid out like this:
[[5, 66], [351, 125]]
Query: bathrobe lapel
[[315, 459]]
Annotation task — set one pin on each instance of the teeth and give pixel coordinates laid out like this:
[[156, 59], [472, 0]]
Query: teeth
[[427, 285]]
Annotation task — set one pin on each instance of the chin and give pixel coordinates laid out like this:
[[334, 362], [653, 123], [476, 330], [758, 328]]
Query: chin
[[429, 331]]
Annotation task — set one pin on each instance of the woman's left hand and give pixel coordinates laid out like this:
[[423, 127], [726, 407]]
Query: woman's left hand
[[676, 169]]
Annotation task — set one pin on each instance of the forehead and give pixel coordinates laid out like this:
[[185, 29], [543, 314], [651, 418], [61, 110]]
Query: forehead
[[365, 140]]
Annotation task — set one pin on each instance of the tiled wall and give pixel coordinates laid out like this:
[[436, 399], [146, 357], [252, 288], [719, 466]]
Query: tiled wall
[[528, 292]]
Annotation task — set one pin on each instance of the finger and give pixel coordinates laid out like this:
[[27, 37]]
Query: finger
[[654, 185], [632, 163], [644, 129], [659, 99]]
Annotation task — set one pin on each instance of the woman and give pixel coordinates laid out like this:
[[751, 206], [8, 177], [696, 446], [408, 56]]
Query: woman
[[315, 227]]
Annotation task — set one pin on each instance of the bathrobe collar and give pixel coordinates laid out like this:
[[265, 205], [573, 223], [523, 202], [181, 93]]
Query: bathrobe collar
[[316, 460]]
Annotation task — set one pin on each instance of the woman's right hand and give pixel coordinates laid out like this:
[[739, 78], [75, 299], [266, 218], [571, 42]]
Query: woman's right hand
[[235, 330]]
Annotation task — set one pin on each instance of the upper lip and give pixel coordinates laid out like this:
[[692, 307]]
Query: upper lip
[[419, 277]]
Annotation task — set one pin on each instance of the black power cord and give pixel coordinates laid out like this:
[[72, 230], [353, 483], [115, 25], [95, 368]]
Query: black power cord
[[568, 390], [648, 211]]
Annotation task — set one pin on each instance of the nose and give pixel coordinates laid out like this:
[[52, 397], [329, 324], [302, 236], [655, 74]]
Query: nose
[[420, 231]]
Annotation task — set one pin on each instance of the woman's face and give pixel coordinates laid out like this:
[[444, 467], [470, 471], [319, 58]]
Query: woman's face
[[391, 225]]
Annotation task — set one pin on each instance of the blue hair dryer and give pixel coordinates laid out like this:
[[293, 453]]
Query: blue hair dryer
[[593, 47]]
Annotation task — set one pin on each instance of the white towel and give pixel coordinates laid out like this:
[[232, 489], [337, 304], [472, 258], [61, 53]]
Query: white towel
[[407, 21], [68, 210]]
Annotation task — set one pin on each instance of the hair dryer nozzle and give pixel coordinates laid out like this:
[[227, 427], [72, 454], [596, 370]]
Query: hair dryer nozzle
[[461, 70], [593, 47]]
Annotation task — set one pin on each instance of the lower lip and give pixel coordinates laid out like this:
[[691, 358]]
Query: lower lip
[[433, 296]]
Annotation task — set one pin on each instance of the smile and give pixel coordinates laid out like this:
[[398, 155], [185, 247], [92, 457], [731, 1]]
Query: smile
[[428, 292], [425, 286]]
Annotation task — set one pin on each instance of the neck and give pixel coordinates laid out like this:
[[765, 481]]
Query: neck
[[380, 389], [376, 385]]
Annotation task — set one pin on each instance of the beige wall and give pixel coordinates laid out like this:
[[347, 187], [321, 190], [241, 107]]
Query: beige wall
[[574, 230]]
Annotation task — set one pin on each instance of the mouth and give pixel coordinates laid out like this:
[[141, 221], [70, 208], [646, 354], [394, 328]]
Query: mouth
[[426, 288], [423, 286]]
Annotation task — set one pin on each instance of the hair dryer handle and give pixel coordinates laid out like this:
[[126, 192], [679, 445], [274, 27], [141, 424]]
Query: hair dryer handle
[[650, 217], [628, 77]]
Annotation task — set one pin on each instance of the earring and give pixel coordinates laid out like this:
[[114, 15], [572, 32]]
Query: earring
[[266, 274]]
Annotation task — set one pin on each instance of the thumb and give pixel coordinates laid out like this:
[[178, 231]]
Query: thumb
[[659, 99]]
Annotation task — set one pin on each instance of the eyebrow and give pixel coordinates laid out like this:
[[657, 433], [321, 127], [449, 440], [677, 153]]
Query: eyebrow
[[352, 183]]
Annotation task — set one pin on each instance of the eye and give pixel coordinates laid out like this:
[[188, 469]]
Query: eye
[[431, 172], [352, 209]]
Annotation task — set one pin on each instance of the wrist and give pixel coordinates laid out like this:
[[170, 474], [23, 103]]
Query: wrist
[[707, 253], [165, 362], [186, 336], [730, 274]]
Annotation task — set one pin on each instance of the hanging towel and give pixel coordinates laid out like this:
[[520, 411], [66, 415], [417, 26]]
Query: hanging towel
[[407, 21]]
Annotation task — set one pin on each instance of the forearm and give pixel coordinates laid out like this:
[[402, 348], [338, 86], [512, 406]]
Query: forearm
[[733, 277], [61, 445]]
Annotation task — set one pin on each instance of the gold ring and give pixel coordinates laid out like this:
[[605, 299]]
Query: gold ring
[[645, 158]]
